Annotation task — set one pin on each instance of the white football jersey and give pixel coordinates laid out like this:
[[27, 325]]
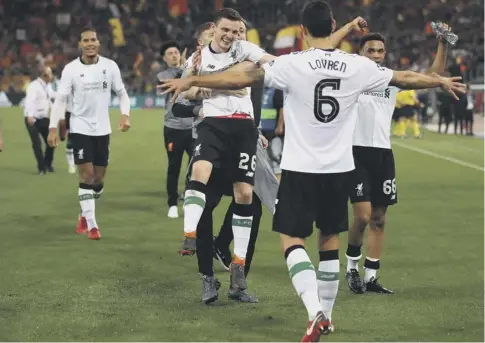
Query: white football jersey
[[223, 105], [322, 89], [91, 86], [375, 109]]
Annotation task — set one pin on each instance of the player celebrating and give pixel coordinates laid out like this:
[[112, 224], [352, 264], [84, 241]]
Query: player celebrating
[[374, 178], [90, 79], [227, 131], [320, 115]]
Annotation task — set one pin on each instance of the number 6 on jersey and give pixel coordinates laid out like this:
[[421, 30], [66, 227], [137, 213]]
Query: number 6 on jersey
[[321, 100]]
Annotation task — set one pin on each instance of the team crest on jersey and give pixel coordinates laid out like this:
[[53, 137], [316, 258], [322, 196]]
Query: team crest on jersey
[[360, 189], [197, 150]]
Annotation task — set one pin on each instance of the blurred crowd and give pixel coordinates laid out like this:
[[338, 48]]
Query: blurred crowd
[[132, 31]]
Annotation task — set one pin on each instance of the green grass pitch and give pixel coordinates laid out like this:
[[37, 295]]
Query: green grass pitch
[[133, 286]]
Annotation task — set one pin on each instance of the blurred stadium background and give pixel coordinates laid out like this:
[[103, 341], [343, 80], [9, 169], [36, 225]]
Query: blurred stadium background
[[132, 32]]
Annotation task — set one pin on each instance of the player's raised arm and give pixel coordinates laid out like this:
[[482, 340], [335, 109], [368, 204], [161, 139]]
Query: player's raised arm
[[358, 24], [439, 62], [59, 107]]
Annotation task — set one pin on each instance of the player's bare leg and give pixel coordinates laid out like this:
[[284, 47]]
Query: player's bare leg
[[98, 186], [304, 279], [87, 219], [361, 217], [328, 274], [194, 203], [375, 241]]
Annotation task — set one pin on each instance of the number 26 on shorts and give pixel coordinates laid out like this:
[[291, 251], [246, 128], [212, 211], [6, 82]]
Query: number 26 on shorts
[[244, 159], [389, 186]]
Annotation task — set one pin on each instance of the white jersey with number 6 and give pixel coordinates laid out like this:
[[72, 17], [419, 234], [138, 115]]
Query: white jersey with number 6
[[91, 86], [322, 88]]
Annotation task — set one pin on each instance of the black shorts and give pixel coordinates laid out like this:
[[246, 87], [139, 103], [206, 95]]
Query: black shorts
[[374, 177], [90, 149], [228, 141], [304, 199]]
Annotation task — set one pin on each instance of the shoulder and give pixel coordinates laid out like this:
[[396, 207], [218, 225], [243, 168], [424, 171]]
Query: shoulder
[[108, 62]]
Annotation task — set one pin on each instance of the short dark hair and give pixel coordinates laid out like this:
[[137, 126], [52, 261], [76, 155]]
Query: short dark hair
[[228, 13], [86, 29], [167, 45], [317, 17], [203, 27], [371, 36]]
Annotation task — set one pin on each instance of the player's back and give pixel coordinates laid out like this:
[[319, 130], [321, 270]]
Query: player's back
[[322, 89]]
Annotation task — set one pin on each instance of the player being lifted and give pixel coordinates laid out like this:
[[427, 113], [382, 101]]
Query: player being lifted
[[227, 132], [322, 86], [90, 78], [373, 185]]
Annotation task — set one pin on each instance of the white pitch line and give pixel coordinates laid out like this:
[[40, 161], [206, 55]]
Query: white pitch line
[[442, 157]]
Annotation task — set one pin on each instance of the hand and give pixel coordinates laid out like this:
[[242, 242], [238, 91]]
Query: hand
[[279, 130], [53, 139], [30, 121], [205, 93], [183, 57], [264, 141], [175, 86], [124, 123], [197, 59], [358, 24], [440, 37], [451, 85]]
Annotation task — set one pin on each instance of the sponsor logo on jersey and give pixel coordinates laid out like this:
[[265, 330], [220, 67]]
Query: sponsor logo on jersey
[[386, 94]]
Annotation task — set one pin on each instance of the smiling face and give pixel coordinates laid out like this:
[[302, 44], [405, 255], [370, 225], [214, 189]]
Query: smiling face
[[89, 44], [226, 32]]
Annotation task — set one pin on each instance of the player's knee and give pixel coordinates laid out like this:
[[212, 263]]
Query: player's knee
[[378, 221], [201, 171], [243, 193], [86, 175]]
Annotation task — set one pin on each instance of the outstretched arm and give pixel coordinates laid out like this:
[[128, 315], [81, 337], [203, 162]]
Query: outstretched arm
[[412, 80]]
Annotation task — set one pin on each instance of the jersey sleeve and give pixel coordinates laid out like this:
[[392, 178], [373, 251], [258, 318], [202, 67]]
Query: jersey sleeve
[[276, 73], [251, 52], [117, 82], [65, 86], [373, 76]]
